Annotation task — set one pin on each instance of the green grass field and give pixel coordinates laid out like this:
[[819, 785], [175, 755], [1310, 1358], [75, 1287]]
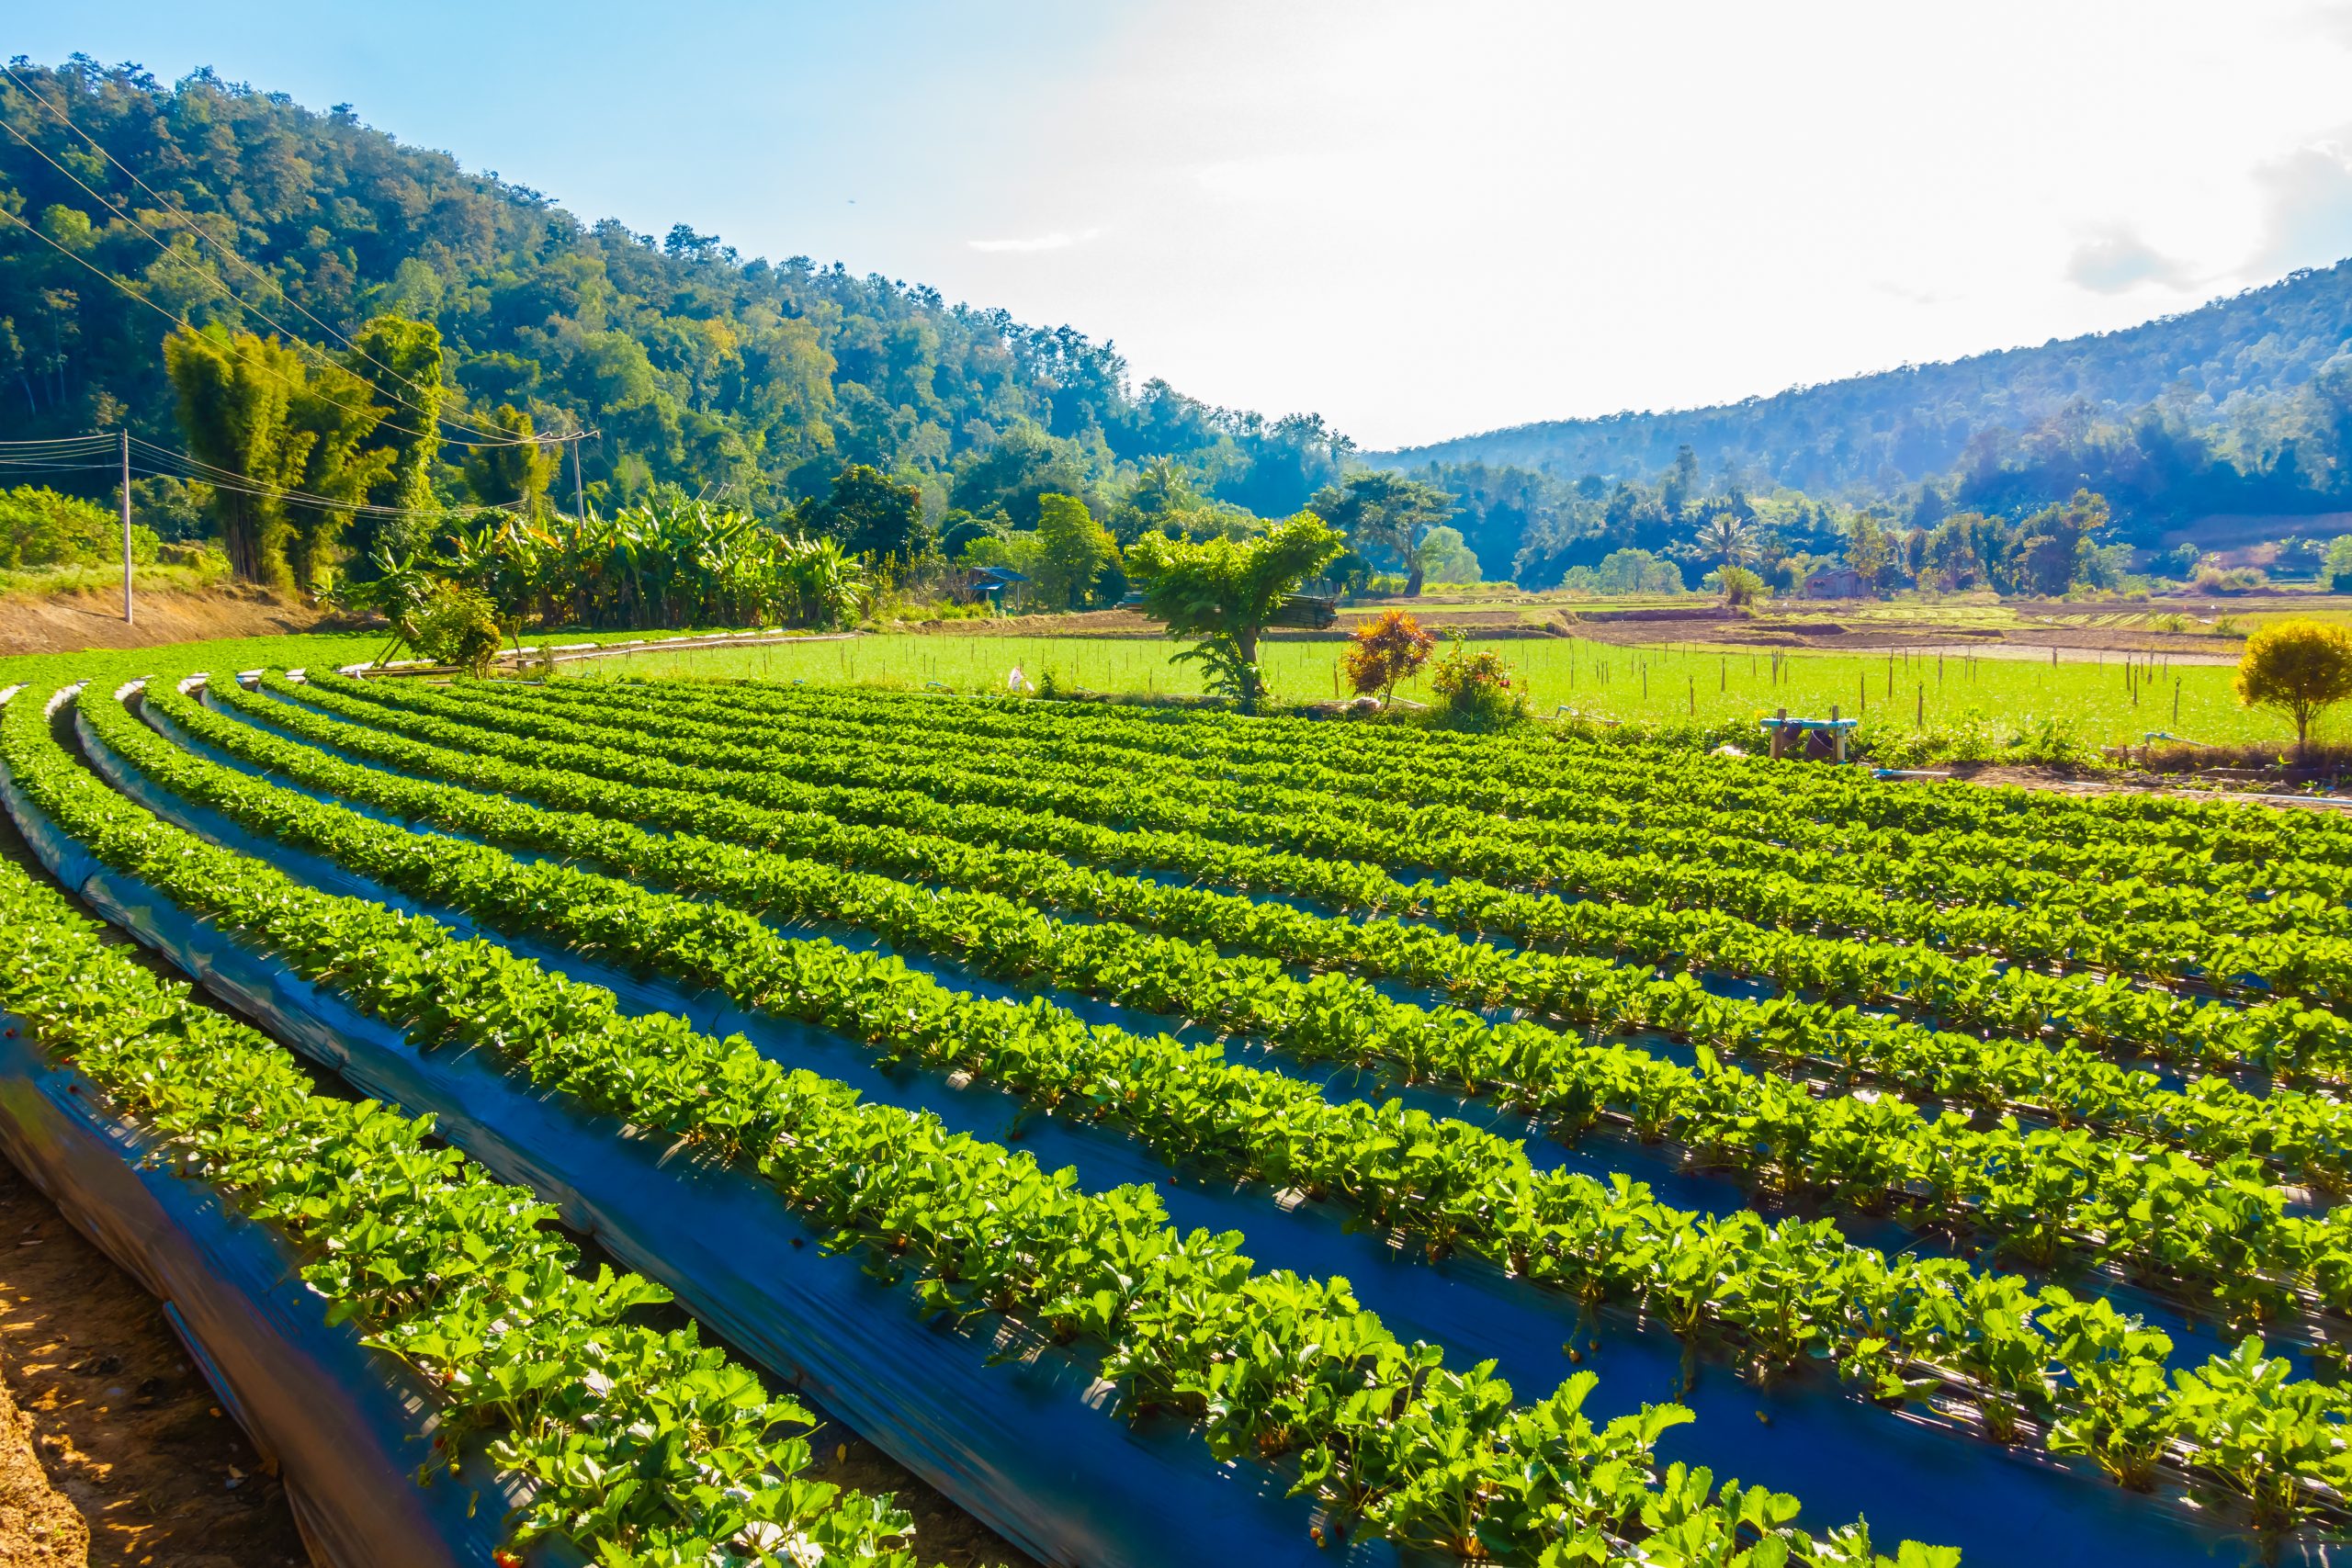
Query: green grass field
[[1648, 685]]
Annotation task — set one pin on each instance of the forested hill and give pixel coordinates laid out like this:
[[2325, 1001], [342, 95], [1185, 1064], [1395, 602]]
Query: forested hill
[[2249, 376], [755, 380]]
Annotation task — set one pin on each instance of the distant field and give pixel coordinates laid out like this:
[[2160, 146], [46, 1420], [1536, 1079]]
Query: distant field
[[1631, 684]]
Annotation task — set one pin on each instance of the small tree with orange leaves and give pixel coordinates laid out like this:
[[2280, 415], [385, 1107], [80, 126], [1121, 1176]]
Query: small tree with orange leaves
[[1387, 651]]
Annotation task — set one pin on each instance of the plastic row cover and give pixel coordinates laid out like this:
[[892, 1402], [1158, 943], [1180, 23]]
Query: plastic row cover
[[1843, 1456], [1020, 1434], [346, 1427]]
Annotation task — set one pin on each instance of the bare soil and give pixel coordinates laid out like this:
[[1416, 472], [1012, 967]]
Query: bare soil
[[1081, 623], [1816, 625], [1826, 633], [128, 1430], [1134, 624], [39, 1527], [69, 623]]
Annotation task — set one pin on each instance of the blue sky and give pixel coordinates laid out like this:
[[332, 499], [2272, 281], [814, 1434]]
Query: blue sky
[[1418, 220]]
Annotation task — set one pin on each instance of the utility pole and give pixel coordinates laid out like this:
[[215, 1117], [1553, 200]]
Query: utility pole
[[126, 525], [579, 506]]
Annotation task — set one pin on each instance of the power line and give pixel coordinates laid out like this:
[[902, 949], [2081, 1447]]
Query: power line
[[292, 337], [165, 462], [182, 320], [153, 457], [381, 424], [37, 464], [197, 230]]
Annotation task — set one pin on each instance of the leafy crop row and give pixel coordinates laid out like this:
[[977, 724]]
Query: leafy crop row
[[2283, 1037], [2112, 1014], [2200, 829], [641, 1447], [1574, 814], [1267, 1364], [2287, 962], [1783, 1293], [1759, 1124]]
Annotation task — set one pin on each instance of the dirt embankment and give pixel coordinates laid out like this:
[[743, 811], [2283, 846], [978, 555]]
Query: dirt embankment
[[68, 623], [1826, 633], [1131, 622]]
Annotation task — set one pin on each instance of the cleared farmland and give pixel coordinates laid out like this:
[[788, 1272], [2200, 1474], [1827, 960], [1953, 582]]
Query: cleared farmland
[[1182, 1132]]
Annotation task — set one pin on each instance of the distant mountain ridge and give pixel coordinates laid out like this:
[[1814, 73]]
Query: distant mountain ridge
[[2214, 366]]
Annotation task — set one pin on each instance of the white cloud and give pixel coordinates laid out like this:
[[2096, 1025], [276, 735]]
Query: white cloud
[[2116, 259], [2334, 21], [2307, 198], [1059, 239]]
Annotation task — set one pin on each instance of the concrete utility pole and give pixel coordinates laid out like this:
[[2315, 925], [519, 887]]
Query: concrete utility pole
[[579, 506], [126, 525]]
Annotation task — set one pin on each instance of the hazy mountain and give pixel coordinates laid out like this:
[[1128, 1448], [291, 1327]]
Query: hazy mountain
[[2249, 375]]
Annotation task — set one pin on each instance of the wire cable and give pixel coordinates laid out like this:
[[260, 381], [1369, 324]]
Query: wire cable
[[292, 338], [169, 464], [381, 424], [188, 222], [154, 461]]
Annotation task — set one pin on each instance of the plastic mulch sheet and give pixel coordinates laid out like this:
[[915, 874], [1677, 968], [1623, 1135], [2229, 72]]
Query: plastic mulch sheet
[[1910, 1477], [1021, 1434], [347, 1426]]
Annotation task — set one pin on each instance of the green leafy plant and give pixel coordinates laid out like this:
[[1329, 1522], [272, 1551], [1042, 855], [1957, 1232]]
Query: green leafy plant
[[1474, 689]]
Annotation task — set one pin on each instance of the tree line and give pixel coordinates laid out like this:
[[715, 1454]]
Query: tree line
[[747, 382]]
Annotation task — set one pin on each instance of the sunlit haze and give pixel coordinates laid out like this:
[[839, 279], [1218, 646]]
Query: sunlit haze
[[1418, 221]]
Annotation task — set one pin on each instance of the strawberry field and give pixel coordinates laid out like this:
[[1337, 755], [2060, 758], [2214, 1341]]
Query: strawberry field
[[1177, 1134]]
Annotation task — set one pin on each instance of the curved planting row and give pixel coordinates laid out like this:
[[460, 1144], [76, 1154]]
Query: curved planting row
[[2287, 962], [1269, 1366], [1457, 839], [1848, 1147], [2012, 1070], [2285, 1036], [2201, 830], [1897, 1328], [631, 1443], [1567, 815]]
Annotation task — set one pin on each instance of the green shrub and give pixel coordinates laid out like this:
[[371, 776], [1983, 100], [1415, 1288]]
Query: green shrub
[[1475, 691], [457, 628], [39, 527]]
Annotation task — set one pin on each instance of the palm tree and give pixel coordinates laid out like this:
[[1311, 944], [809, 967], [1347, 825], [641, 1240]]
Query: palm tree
[[1727, 539]]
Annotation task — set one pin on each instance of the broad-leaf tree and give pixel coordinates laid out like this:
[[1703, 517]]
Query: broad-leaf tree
[[2302, 668], [871, 514], [401, 362], [1223, 593], [1072, 551], [1388, 512], [522, 471]]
